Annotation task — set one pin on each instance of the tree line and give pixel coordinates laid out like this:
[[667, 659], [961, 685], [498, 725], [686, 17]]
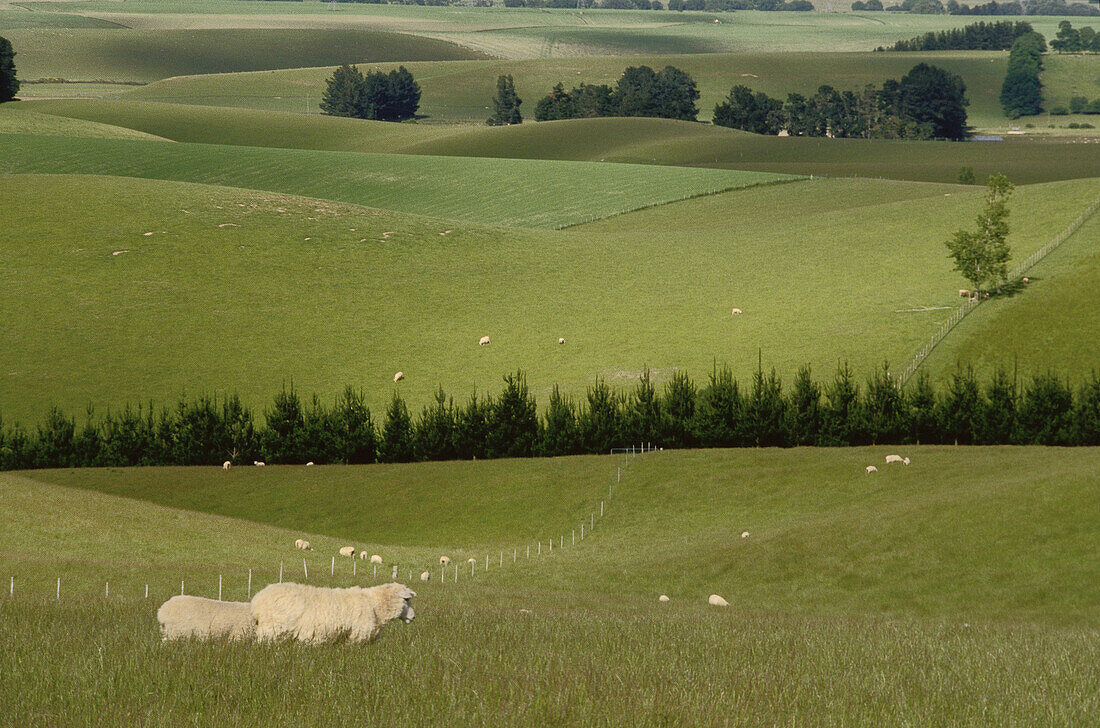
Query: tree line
[[669, 93], [927, 103], [721, 412], [1075, 40], [980, 36], [393, 96]]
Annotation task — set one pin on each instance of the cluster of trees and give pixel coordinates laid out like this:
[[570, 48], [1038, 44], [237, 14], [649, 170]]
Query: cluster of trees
[[9, 84], [980, 36], [669, 94], [1078, 105], [1022, 90], [604, 4], [870, 5], [928, 103], [1031, 7], [719, 413], [1072, 40], [506, 103], [393, 96]]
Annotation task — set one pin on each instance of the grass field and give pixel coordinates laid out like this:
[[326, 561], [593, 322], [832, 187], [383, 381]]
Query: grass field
[[924, 595], [19, 119], [149, 55], [523, 193], [1049, 325], [652, 288]]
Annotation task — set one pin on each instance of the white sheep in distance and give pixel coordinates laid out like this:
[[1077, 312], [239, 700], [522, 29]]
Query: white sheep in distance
[[893, 459], [185, 616], [871, 469], [375, 559], [425, 575], [561, 340], [298, 543], [398, 377], [227, 465], [717, 601], [737, 312], [744, 534], [347, 551], [259, 463], [483, 341], [905, 461], [315, 614], [445, 560], [963, 293], [663, 598], [309, 464], [363, 555], [303, 545]]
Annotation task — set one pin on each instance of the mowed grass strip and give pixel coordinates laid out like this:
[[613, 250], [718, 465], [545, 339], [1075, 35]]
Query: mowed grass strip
[[526, 193], [124, 54]]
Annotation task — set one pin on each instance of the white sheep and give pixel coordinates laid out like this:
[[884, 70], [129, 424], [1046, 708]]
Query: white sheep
[[872, 469], [483, 341], [227, 465], [363, 555], [663, 598], [963, 293], [893, 459], [445, 560], [347, 551], [905, 461], [259, 463], [744, 534], [303, 545], [425, 575], [316, 614], [561, 340], [717, 601], [1025, 281], [186, 616], [309, 464], [399, 376], [737, 312], [375, 559], [298, 543]]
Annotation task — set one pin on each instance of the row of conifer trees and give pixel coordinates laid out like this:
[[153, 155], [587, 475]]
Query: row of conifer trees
[[721, 412]]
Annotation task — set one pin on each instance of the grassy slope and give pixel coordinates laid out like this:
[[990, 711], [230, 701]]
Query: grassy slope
[[20, 119], [991, 607], [529, 193], [1050, 324], [462, 90], [148, 55], [645, 141], [652, 288]]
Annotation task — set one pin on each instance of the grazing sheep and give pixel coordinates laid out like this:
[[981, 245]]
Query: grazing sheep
[[561, 340], [309, 464], [376, 559], [717, 601], [347, 551], [744, 534], [483, 341], [445, 560], [363, 555], [1025, 281], [425, 575], [298, 543], [872, 469], [893, 458], [737, 312], [316, 614], [399, 376], [186, 616], [303, 545], [663, 598], [227, 465], [258, 463], [905, 461], [963, 293]]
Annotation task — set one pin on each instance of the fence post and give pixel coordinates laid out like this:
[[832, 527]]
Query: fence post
[[59, 588], [146, 591], [107, 590], [280, 572], [332, 572], [250, 584], [181, 586], [305, 569], [11, 592], [219, 587]]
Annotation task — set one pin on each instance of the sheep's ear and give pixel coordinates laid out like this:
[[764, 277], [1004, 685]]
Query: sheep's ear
[[407, 593]]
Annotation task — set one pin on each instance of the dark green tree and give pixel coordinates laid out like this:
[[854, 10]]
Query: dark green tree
[[506, 103], [9, 84], [356, 438], [559, 435], [342, 92], [678, 411], [841, 421], [752, 112], [558, 104], [283, 436], [929, 94], [396, 445], [1045, 413], [923, 424], [883, 408], [804, 409], [513, 421], [960, 410], [998, 422], [1087, 413], [601, 422], [472, 428], [1021, 92], [719, 409], [643, 414], [435, 430]]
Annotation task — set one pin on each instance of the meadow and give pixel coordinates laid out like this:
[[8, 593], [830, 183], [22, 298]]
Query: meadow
[[855, 601]]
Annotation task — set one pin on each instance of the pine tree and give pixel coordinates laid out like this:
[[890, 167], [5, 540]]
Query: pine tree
[[505, 104], [9, 84], [342, 92], [397, 434]]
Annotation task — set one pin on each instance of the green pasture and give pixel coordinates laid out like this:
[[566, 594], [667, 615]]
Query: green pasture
[[1050, 324], [149, 55], [637, 141], [205, 293], [462, 90], [20, 119], [19, 19], [955, 592], [524, 193]]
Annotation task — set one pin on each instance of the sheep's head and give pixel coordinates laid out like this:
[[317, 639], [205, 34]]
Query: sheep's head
[[394, 602]]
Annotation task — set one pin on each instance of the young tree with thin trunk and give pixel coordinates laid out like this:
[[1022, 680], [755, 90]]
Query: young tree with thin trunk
[[982, 256]]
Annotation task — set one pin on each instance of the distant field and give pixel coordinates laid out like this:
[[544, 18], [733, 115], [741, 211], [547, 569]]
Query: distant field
[[924, 596], [20, 19], [650, 289], [525, 193], [1050, 324], [19, 119], [149, 55], [463, 90]]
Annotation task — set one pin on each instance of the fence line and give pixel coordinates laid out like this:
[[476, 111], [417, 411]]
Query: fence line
[[628, 456], [1016, 273]]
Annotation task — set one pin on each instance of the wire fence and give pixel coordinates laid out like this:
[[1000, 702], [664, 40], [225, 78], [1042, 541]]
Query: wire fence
[[241, 583], [1014, 274]]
